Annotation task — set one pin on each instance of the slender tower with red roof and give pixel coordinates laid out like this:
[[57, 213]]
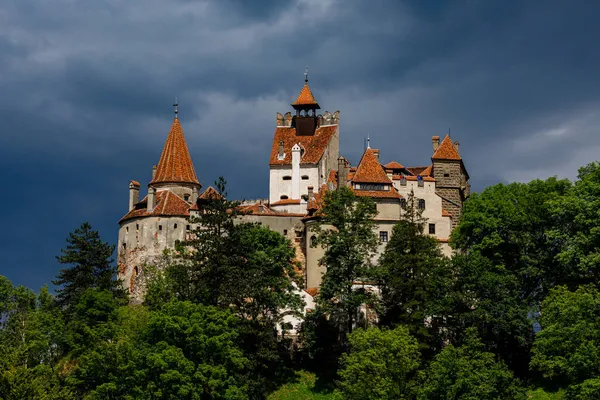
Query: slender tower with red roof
[[161, 218]]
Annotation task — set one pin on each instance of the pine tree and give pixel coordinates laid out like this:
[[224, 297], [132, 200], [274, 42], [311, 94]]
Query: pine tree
[[91, 266]]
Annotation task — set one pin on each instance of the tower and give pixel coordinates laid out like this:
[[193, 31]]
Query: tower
[[451, 175]]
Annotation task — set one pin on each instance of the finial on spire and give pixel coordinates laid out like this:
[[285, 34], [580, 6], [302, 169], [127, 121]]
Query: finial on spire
[[368, 140], [175, 109], [306, 75]]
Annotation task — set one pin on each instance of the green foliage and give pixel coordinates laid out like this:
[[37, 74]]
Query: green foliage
[[469, 373], [346, 234], [414, 277], [380, 364], [303, 388], [91, 266], [567, 348], [587, 390]]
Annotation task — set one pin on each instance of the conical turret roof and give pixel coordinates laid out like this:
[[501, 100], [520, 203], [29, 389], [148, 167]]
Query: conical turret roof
[[175, 163], [305, 97]]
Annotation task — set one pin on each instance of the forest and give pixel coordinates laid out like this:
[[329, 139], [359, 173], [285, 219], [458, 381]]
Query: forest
[[513, 314]]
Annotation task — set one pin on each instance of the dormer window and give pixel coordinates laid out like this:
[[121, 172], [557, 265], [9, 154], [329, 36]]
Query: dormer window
[[372, 186], [287, 178], [186, 197]]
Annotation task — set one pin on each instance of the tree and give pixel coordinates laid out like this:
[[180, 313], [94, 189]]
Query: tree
[[505, 265], [380, 364], [567, 349], [91, 266], [345, 232], [469, 373], [413, 277]]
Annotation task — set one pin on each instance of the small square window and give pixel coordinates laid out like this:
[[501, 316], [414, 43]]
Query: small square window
[[285, 232], [174, 226], [186, 197], [160, 227], [383, 236], [432, 229], [446, 175], [187, 228]]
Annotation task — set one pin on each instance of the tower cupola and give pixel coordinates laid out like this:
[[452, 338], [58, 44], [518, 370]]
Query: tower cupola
[[305, 121]]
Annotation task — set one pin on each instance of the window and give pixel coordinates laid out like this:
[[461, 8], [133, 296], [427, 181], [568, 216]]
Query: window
[[383, 236], [283, 197], [421, 204], [187, 227], [285, 232], [372, 186], [127, 229], [287, 178], [432, 229], [313, 241], [124, 246], [446, 175], [186, 197], [137, 227], [403, 181], [136, 270], [304, 197], [160, 227], [304, 177], [174, 226]]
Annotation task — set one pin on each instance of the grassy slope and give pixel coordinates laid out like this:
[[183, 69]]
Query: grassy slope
[[303, 389]]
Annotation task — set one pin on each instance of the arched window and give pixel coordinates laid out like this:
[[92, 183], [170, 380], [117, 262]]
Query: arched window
[[283, 197], [287, 178], [421, 204], [313, 241]]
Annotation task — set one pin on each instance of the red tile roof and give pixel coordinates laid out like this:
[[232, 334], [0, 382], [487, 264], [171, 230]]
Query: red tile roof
[[305, 97], [313, 291], [413, 178], [314, 145], [416, 170], [446, 213], [167, 204], [135, 183], [394, 165], [378, 194], [369, 169], [175, 164], [446, 151], [210, 193], [285, 202], [257, 209], [427, 171]]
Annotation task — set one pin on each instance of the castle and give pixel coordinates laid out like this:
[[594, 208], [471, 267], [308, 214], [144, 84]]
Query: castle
[[304, 163]]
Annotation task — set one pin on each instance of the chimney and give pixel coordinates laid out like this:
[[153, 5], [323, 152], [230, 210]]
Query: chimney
[[194, 195], [435, 142], [280, 153], [342, 172], [376, 152], [296, 155], [151, 199], [154, 168], [134, 194], [311, 193], [456, 146]]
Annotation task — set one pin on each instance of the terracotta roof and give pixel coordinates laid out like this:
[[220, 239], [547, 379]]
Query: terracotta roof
[[446, 151], [427, 171], [394, 165], [332, 178], [416, 170], [369, 169], [135, 183], [317, 202], [312, 291], [210, 193], [443, 240], [167, 204], [314, 145], [378, 194], [285, 202], [413, 178], [257, 209], [305, 97], [446, 213], [175, 163]]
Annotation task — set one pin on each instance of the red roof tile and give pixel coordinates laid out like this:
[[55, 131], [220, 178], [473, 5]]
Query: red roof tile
[[446, 213], [369, 169], [285, 202], [413, 178], [416, 170], [257, 209], [314, 145], [305, 97], [175, 163], [446, 151], [427, 171], [394, 165], [210, 193], [135, 183], [378, 194], [167, 204]]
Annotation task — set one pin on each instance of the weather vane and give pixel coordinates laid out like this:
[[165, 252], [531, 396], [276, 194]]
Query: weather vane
[[175, 105], [306, 74]]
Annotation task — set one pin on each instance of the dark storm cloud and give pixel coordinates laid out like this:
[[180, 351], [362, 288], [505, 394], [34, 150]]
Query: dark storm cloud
[[88, 86]]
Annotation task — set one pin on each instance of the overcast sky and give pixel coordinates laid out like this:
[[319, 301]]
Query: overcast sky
[[87, 87]]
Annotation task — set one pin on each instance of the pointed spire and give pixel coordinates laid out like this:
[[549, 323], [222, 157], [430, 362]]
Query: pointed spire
[[175, 165], [446, 150], [305, 99]]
